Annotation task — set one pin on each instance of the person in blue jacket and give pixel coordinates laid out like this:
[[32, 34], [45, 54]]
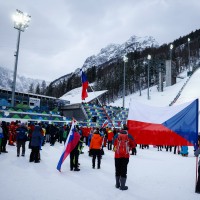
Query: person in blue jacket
[[21, 137], [35, 144], [184, 151]]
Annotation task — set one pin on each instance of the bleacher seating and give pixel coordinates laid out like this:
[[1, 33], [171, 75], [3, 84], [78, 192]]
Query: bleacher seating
[[117, 115], [96, 115], [25, 112]]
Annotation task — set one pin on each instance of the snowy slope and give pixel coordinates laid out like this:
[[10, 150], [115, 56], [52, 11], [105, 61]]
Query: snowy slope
[[190, 92], [192, 89]]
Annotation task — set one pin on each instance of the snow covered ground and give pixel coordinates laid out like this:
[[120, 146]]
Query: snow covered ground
[[152, 174]]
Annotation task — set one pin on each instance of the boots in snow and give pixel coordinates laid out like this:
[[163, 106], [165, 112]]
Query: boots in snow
[[117, 182], [123, 182]]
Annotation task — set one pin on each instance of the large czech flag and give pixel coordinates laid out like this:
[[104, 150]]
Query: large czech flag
[[84, 85], [173, 125], [71, 142]]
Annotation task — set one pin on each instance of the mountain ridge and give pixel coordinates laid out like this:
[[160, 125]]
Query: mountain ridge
[[22, 83], [112, 52]]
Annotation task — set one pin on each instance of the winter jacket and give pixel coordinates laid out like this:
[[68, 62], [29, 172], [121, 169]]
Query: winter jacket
[[86, 131], [110, 135], [119, 146], [96, 141], [21, 133], [5, 130], [36, 136], [184, 150]]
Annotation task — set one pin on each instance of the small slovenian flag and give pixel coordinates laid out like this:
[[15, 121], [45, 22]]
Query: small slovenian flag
[[71, 142], [172, 125], [84, 85], [105, 124]]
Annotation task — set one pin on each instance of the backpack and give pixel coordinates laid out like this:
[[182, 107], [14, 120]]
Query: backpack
[[122, 147]]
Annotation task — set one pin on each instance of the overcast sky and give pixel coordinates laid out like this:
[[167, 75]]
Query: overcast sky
[[63, 33]]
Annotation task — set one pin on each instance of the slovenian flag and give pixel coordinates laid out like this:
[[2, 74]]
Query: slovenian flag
[[105, 124], [174, 125], [84, 85], [71, 142]]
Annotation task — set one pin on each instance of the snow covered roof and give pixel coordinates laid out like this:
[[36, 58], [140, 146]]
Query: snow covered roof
[[74, 96], [29, 94]]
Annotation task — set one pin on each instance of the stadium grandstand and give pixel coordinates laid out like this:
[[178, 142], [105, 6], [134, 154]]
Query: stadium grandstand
[[33, 107], [91, 112]]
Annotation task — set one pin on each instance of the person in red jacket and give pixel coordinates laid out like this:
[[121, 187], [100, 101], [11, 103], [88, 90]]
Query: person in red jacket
[[95, 148], [12, 133], [123, 143], [110, 138]]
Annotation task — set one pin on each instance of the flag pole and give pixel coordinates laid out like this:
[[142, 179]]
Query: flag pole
[[197, 144], [196, 172], [100, 103], [102, 106]]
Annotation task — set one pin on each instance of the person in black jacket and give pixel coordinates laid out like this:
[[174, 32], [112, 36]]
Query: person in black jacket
[[5, 137], [53, 133], [21, 137]]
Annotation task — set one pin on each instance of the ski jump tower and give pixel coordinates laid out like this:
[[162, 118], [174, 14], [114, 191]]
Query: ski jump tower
[[170, 72]]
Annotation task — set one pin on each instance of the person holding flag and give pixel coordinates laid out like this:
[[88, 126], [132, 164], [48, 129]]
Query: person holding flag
[[70, 144]]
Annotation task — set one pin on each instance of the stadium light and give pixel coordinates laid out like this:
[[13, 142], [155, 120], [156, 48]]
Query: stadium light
[[125, 59], [149, 58], [21, 22], [188, 54], [171, 47]]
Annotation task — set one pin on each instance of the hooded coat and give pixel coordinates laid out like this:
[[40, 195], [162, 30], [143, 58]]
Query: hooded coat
[[96, 141], [36, 136]]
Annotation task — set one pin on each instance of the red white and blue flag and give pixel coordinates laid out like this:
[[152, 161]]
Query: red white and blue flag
[[84, 86], [71, 142], [173, 125], [105, 124]]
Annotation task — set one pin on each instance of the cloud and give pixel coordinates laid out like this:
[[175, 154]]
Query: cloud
[[62, 34]]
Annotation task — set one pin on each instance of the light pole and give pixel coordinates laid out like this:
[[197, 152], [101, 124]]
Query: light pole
[[21, 22], [149, 58], [140, 84], [171, 47], [189, 54], [125, 59]]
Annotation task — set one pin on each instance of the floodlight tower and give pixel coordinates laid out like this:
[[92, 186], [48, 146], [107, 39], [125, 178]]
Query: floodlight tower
[[189, 54], [171, 48], [21, 22], [149, 58], [125, 59]]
